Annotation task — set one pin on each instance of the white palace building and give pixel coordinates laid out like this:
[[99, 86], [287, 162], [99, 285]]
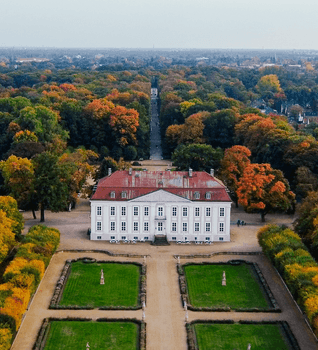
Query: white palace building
[[139, 205]]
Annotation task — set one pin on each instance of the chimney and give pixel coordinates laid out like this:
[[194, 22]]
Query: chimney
[[130, 171], [190, 172], [212, 172], [109, 171]]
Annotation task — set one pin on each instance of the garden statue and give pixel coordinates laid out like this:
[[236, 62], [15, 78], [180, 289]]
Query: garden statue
[[186, 316], [224, 279], [249, 347], [143, 305], [178, 259], [87, 346], [143, 315], [102, 277]]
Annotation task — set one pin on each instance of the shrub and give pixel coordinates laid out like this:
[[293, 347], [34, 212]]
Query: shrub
[[44, 237], [5, 338], [10, 207]]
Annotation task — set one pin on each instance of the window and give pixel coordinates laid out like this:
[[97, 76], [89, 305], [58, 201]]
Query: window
[[146, 211], [196, 227], [123, 237], [160, 211], [174, 238], [112, 211], [196, 195], [184, 227], [160, 226], [136, 211], [184, 211], [197, 212], [98, 226], [112, 194], [123, 211], [146, 226], [207, 238], [208, 195], [123, 226], [135, 238], [112, 237], [195, 238], [220, 238], [174, 211], [112, 225], [99, 237], [208, 211], [221, 226], [146, 238], [207, 227], [99, 211], [136, 227], [124, 194], [174, 227], [221, 211]]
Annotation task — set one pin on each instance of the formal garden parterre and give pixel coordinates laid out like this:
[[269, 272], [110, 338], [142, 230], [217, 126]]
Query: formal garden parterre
[[245, 290], [76, 333], [79, 286]]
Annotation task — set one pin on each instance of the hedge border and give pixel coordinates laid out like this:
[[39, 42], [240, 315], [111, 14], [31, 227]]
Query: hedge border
[[60, 285], [274, 307], [46, 325], [206, 256], [288, 335]]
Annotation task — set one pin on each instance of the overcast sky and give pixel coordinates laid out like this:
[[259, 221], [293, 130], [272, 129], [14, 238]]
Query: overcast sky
[[248, 24]]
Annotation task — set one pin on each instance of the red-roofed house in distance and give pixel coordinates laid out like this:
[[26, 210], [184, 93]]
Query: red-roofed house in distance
[[139, 205]]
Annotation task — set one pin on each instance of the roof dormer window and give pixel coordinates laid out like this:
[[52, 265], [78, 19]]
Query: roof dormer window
[[124, 194], [112, 194], [196, 195], [208, 195]]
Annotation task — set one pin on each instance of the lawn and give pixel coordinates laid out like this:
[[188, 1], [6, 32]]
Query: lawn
[[242, 290], [238, 336], [83, 288], [70, 335]]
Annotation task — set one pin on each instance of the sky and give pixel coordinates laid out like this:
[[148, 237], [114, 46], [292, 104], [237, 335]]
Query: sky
[[206, 24]]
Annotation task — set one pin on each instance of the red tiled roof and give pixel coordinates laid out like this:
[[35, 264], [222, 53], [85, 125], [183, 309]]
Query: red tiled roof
[[177, 182]]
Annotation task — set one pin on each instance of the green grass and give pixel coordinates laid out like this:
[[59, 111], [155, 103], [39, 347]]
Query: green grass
[[71, 335], [238, 336], [242, 290], [83, 286]]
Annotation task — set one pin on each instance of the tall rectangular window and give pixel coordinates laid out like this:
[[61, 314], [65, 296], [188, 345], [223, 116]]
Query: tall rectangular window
[[207, 227], [197, 212], [112, 211], [136, 226], [174, 211], [160, 211], [98, 211], [123, 226], [146, 226], [184, 227], [174, 227], [112, 226], [98, 225], [184, 211], [196, 227], [136, 211], [146, 211], [208, 211], [221, 226], [160, 226], [222, 211], [123, 211]]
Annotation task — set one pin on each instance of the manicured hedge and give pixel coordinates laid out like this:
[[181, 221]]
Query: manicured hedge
[[22, 276], [297, 267]]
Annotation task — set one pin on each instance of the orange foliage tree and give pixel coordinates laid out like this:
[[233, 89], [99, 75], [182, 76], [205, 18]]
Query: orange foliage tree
[[233, 165], [263, 189], [124, 123]]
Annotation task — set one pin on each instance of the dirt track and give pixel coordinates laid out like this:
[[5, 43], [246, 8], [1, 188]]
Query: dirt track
[[164, 313]]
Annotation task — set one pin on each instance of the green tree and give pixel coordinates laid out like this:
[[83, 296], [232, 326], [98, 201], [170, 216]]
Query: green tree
[[197, 157]]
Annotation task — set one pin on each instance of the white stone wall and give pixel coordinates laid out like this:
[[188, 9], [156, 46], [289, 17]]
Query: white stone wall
[[104, 230]]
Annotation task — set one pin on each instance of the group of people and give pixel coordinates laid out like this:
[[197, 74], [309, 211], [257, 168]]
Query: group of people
[[240, 222]]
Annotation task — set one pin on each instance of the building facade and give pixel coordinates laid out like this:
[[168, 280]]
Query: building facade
[[183, 206]]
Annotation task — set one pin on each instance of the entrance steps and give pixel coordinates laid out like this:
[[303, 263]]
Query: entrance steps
[[160, 240]]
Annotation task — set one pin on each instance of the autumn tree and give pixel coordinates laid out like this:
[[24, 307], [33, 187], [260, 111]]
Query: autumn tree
[[7, 240], [10, 207], [268, 86], [235, 160], [263, 189]]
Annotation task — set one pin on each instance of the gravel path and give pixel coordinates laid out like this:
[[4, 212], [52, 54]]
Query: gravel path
[[164, 312]]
